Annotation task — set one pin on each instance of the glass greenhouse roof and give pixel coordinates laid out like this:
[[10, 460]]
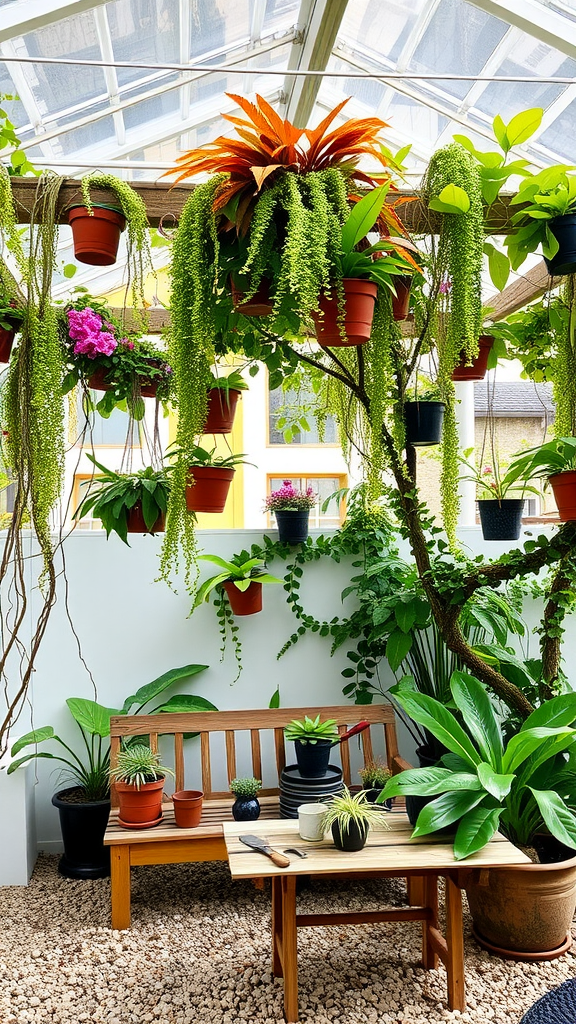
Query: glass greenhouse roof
[[108, 84]]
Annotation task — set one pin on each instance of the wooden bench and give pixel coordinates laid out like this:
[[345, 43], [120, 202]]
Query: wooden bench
[[168, 844]]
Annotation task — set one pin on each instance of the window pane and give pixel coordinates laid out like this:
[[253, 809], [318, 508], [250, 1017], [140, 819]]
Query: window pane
[[323, 486], [287, 404], [102, 432]]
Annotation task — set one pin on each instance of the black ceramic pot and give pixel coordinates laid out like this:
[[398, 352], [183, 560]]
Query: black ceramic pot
[[245, 808], [351, 840], [501, 520], [313, 758], [423, 421], [292, 526], [564, 230], [83, 824], [373, 794], [414, 804]]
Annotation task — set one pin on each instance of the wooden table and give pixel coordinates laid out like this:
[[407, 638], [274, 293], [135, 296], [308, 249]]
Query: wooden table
[[387, 854]]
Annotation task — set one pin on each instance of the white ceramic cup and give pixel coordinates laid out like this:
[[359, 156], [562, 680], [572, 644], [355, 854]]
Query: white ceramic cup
[[310, 821]]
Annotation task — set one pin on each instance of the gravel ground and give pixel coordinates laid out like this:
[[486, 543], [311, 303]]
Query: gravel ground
[[199, 951]]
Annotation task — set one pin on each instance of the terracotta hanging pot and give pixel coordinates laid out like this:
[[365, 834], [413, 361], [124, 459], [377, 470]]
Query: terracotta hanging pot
[[221, 410], [135, 521], [564, 488], [97, 380], [210, 488], [401, 301], [477, 371], [7, 336], [244, 602], [187, 807], [149, 385], [96, 235], [140, 808], [360, 301], [259, 305]]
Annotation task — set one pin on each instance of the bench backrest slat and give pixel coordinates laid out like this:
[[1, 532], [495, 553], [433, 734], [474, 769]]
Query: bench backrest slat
[[256, 749], [179, 760], [230, 755]]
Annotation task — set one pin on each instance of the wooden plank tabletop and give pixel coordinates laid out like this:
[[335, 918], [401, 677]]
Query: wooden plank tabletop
[[390, 850]]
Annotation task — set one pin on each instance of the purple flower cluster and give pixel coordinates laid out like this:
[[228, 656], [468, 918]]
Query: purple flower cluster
[[287, 498], [92, 337]]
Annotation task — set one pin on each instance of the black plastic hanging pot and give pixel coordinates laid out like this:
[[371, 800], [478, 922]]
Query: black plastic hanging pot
[[564, 230], [83, 825], [501, 520], [292, 525], [423, 421]]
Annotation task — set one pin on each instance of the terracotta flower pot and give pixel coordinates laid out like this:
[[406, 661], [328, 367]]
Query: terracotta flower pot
[[135, 521], [96, 236], [401, 301], [360, 301], [140, 808], [210, 489], [221, 410], [477, 371], [7, 336], [96, 381], [259, 305], [244, 602], [564, 488], [525, 911], [188, 807]]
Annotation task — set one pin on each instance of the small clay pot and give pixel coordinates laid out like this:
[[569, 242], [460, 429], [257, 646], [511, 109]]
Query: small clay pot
[[96, 234], [244, 602], [135, 521], [188, 807]]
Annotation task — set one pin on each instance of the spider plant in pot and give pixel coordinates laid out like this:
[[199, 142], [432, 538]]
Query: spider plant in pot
[[349, 817], [555, 460], [223, 395], [291, 509], [313, 741], [138, 778], [209, 478], [500, 514], [128, 502], [246, 806]]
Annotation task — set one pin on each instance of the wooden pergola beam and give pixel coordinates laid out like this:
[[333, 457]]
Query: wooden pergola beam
[[530, 286]]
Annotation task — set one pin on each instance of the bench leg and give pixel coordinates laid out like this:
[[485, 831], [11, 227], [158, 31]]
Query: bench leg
[[277, 928], [415, 890], [289, 947], [455, 943], [120, 886], [429, 954]]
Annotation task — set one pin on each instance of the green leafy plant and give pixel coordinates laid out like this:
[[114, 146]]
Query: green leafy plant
[[137, 765], [231, 382], [349, 809], [494, 482], [245, 787], [198, 456], [240, 573], [374, 774], [113, 495], [543, 196], [11, 315], [485, 784], [310, 730], [90, 768], [555, 456]]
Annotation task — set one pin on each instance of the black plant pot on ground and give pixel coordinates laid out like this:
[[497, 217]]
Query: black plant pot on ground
[[423, 421], [564, 230], [501, 520], [292, 526], [83, 824], [313, 758]]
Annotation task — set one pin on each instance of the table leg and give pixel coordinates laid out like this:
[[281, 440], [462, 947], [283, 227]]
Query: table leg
[[277, 928], [120, 886], [289, 947], [429, 955], [455, 943]]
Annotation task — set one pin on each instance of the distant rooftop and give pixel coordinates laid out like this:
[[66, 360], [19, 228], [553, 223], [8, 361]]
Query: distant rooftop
[[514, 399]]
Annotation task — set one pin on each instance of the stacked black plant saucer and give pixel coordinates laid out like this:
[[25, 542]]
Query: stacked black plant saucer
[[296, 789]]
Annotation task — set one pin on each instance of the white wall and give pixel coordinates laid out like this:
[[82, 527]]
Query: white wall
[[132, 629]]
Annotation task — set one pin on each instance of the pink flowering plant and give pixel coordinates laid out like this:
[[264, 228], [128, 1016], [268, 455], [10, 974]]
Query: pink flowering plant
[[95, 340], [288, 499], [494, 482]]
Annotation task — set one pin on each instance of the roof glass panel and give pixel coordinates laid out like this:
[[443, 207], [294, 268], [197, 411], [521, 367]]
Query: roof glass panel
[[144, 31], [55, 86], [215, 26], [559, 137], [384, 34], [530, 57], [280, 14]]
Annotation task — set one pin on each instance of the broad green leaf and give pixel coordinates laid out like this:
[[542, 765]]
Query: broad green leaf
[[429, 782], [92, 717], [362, 217], [478, 714], [497, 785], [440, 722], [24, 760], [275, 699], [523, 125], [500, 132], [475, 830], [452, 199], [560, 820], [445, 810], [498, 266], [558, 711], [405, 615], [151, 690], [397, 647], [183, 702], [46, 732], [524, 743]]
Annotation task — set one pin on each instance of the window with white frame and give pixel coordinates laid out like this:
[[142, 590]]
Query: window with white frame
[[324, 487]]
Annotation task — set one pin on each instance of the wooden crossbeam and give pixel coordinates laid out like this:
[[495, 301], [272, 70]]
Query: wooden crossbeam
[[530, 286]]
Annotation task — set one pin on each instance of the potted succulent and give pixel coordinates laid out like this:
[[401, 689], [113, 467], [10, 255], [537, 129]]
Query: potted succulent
[[241, 579], [374, 775], [223, 395], [500, 515], [209, 479], [100, 354], [84, 805], [128, 502], [245, 806], [313, 741], [521, 786], [349, 817], [291, 509], [10, 319], [139, 778], [555, 460], [423, 418]]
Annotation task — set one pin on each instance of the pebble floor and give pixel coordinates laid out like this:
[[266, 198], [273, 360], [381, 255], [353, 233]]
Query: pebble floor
[[199, 951]]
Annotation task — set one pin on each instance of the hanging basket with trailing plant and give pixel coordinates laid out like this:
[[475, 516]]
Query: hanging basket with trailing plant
[[474, 368], [96, 233], [127, 502], [223, 396]]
